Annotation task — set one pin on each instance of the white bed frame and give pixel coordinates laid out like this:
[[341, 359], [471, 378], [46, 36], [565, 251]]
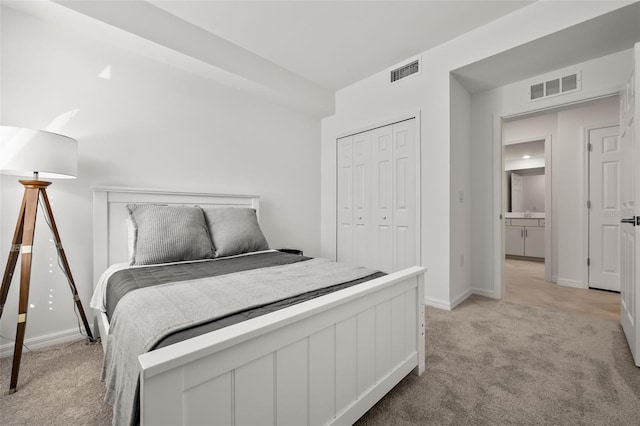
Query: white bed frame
[[324, 361]]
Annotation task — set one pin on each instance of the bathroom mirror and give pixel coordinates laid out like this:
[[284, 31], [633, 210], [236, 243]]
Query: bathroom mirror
[[525, 172]]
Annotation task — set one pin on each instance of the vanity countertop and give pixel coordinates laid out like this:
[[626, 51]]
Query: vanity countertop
[[532, 215]]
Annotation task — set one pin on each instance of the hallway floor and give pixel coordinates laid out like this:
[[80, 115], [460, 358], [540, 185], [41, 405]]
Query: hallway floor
[[525, 284]]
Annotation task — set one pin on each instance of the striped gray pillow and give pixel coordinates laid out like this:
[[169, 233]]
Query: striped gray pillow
[[168, 234], [234, 230]]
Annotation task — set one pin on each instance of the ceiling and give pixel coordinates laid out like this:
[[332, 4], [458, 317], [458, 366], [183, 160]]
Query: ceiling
[[330, 44], [337, 43], [609, 33], [534, 149], [301, 52]]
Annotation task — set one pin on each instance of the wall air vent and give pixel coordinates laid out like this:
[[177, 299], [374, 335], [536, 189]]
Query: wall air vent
[[555, 86], [405, 71]]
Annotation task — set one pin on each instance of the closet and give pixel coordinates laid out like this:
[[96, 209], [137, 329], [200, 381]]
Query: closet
[[377, 193]]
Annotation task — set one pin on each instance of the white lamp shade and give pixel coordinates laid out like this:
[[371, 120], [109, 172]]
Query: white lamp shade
[[25, 151]]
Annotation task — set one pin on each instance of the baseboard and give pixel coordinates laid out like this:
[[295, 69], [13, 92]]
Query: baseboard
[[554, 279], [437, 303], [40, 342], [484, 292], [461, 298], [570, 283], [448, 306]]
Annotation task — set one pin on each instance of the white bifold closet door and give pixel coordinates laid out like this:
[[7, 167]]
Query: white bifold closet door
[[377, 198]]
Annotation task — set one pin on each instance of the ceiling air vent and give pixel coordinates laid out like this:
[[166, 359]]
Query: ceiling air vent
[[555, 86], [405, 70]]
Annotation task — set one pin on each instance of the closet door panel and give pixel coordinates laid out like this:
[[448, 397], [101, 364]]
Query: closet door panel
[[345, 200], [404, 192], [376, 198], [382, 198], [362, 253]]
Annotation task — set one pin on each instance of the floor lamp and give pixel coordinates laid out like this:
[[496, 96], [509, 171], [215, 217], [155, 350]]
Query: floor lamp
[[34, 153]]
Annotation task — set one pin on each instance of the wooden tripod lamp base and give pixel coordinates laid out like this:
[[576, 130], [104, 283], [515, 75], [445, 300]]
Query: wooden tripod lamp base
[[22, 245]]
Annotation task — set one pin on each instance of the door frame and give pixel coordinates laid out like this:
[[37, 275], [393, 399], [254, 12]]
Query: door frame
[[587, 193], [498, 172], [548, 179]]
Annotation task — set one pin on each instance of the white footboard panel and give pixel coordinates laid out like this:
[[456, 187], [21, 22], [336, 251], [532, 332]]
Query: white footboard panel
[[324, 361]]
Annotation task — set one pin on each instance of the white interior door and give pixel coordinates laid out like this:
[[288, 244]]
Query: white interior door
[[630, 223], [604, 221], [377, 197], [382, 198], [344, 249], [362, 253], [516, 192], [404, 192]]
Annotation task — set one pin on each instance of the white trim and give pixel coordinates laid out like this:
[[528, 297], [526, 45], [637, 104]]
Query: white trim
[[461, 298], [571, 283], [40, 342], [497, 224], [484, 292], [381, 123], [593, 96], [437, 303], [458, 300]]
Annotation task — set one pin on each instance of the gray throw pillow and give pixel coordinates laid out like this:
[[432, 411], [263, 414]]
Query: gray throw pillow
[[168, 234], [234, 230]]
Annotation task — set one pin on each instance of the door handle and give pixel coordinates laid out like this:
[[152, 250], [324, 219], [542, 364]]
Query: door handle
[[635, 221]]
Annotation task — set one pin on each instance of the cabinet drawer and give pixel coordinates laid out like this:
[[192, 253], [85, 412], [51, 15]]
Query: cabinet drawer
[[524, 222]]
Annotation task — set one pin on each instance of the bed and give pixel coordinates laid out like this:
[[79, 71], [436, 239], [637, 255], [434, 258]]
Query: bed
[[326, 360]]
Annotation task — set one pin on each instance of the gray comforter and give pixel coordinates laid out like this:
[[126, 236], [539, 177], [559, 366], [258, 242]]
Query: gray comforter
[[144, 316]]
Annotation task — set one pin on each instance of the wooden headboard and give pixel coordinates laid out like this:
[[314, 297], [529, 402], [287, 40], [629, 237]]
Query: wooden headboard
[[110, 214]]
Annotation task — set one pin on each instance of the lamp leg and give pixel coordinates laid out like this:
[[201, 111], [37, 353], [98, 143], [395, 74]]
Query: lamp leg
[[22, 245], [14, 253], [31, 209], [65, 263]]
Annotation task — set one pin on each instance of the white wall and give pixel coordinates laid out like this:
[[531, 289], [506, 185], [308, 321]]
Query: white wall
[[459, 203], [600, 76], [375, 100], [147, 125]]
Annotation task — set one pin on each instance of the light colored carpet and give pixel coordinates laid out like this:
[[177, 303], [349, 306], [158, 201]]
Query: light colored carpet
[[498, 363], [488, 363], [59, 385]]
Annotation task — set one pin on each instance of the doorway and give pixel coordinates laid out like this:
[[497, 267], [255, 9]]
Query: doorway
[[566, 217], [527, 190]]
